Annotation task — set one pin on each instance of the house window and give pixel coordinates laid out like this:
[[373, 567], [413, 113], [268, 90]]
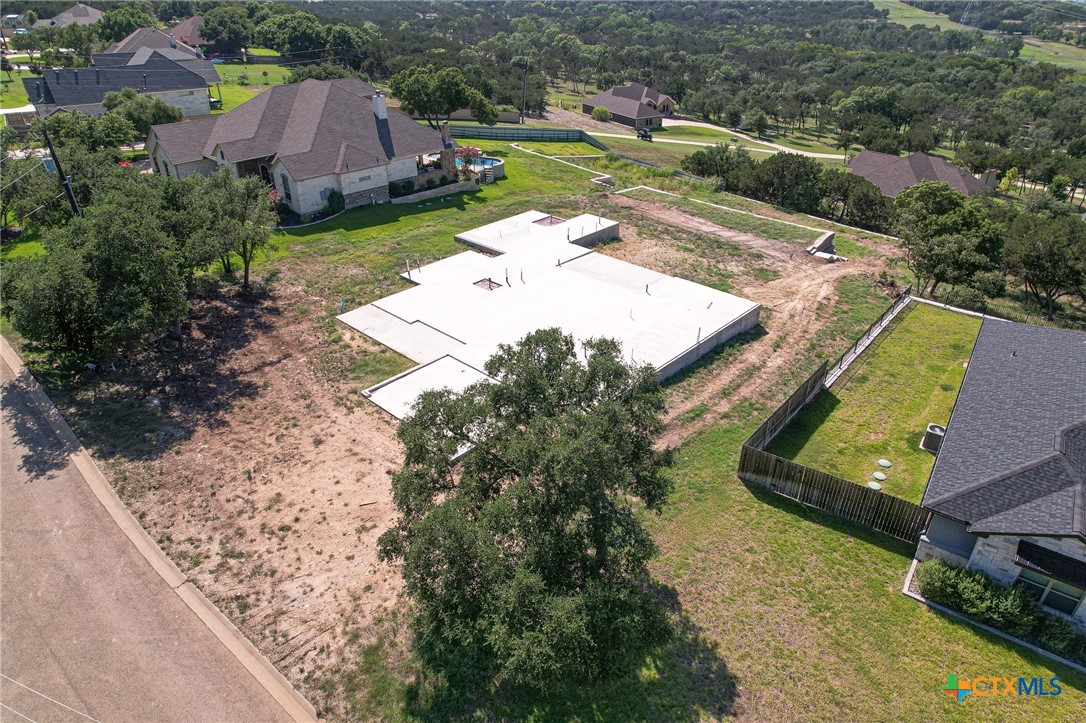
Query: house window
[[286, 186], [165, 168], [1051, 593]]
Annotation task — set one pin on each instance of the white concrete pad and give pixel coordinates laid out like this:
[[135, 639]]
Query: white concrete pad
[[466, 305], [397, 395]]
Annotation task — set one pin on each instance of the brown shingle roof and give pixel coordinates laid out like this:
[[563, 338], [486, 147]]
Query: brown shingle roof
[[893, 174], [628, 100], [188, 30], [149, 38], [79, 14], [315, 128]]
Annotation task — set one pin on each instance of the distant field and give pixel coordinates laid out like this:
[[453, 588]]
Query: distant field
[[1035, 49], [230, 72], [908, 16], [907, 380]]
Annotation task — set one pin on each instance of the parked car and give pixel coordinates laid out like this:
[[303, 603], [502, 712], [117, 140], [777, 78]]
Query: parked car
[[644, 134]]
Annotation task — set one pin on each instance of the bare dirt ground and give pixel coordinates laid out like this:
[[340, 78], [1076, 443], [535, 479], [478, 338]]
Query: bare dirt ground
[[792, 301], [270, 491], [570, 119]]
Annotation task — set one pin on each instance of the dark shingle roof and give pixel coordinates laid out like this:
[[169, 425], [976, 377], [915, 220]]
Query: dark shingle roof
[[1014, 457], [893, 174], [78, 14], [628, 100], [315, 127], [149, 38], [86, 86], [183, 58], [188, 31]]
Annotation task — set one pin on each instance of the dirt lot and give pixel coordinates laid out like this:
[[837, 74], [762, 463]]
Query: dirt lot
[[268, 483]]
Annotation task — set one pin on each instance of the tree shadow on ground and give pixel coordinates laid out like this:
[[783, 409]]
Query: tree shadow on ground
[[45, 453], [687, 679], [140, 406]]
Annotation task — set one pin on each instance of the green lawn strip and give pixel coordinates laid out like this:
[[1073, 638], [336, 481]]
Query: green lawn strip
[[701, 134], [363, 251], [231, 71], [766, 228], [234, 95], [909, 379], [662, 154], [558, 148], [27, 244], [12, 92], [1056, 53], [263, 52]]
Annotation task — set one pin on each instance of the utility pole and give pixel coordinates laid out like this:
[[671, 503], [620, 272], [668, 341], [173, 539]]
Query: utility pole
[[524, 91], [65, 181]]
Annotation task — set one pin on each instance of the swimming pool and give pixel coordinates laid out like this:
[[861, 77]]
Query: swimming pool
[[482, 162]]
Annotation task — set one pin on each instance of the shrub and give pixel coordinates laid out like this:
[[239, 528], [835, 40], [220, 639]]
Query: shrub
[[601, 114], [306, 218], [1010, 609], [243, 79], [431, 182], [335, 201], [966, 297], [1057, 635], [938, 581]]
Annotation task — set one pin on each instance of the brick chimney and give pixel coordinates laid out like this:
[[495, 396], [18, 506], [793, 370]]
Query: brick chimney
[[380, 106]]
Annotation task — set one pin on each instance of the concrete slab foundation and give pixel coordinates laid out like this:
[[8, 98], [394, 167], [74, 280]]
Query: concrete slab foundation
[[542, 276]]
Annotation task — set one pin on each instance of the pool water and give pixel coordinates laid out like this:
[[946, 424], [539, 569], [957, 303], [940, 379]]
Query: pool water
[[485, 162]]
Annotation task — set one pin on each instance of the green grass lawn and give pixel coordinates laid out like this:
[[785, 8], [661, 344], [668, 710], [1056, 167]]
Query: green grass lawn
[[559, 149], [1056, 53], [229, 72], [28, 244], [234, 95], [908, 379], [264, 52], [766, 228], [12, 92], [570, 100]]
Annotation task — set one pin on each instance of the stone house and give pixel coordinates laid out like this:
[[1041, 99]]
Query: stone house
[[634, 104], [309, 139], [174, 76], [1008, 490]]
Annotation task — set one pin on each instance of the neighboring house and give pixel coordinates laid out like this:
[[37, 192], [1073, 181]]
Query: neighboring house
[[153, 39], [1008, 490], [13, 21], [78, 14], [309, 139], [181, 82], [893, 174], [634, 104], [188, 32]]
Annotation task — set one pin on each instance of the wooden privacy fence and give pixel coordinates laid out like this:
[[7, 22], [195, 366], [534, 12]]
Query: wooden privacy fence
[[525, 133], [887, 514], [777, 421]]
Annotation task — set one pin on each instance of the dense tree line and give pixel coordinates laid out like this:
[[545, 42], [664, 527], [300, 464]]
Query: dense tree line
[[795, 182], [125, 269]]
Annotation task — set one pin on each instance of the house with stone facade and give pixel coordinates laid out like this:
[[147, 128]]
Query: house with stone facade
[[170, 74], [633, 104], [1008, 490], [309, 139]]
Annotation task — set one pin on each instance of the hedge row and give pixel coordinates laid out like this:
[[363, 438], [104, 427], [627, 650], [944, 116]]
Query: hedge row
[[1010, 609]]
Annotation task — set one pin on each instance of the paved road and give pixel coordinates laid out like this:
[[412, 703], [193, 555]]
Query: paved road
[[88, 628]]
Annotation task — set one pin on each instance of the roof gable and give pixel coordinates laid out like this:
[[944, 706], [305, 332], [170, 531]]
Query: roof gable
[[314, 128], [893, 174], [87, 86]]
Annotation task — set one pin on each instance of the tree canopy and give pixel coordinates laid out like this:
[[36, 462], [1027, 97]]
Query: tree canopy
[[435, 94], [527, 560], [141, 110]]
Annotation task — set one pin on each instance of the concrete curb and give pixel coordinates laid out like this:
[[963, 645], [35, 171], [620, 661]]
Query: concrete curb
[[947, 611], [295, 705]]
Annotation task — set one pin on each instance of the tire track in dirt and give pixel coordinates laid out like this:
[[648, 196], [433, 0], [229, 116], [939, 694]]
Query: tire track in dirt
[[792, 300]]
